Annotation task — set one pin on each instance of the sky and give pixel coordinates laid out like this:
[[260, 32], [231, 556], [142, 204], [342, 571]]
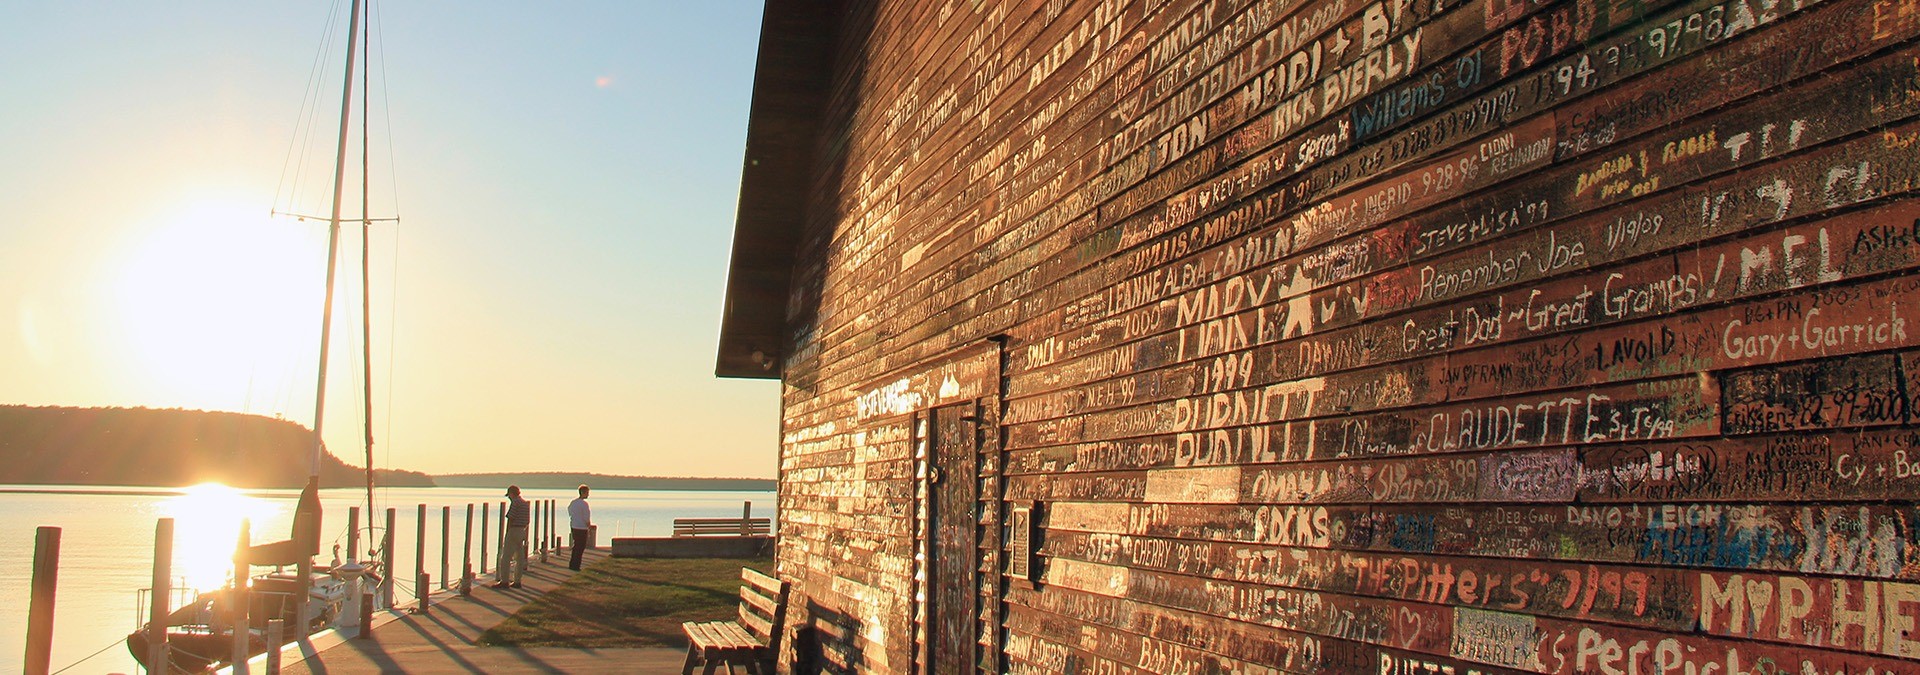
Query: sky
[[566, 177]]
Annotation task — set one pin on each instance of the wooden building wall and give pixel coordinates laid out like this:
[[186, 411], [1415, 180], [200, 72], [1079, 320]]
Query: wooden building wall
[[1339, 336]]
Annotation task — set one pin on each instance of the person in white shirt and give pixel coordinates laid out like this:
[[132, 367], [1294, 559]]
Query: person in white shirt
[[581, 518]]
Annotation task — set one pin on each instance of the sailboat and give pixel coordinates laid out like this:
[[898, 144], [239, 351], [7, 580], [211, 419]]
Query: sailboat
[[232, 623], [201, 634]]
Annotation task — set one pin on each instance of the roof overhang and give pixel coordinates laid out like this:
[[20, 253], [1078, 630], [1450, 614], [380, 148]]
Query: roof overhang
[[789, 96]]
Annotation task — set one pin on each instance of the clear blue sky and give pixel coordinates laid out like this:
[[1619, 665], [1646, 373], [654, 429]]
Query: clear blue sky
[[567, 175]]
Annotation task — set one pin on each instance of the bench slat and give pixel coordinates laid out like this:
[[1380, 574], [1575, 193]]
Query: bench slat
[[760, 627], [684, 527], [760, 580], [707, 640], [735, 521], [764, 605], [739, 637], [714, 634], [757, 522], [718, 526]]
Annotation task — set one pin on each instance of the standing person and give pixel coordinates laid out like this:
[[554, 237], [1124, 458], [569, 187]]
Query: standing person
[[513, 553], [581, 518]]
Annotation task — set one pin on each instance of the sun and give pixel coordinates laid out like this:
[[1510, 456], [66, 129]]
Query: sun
[[207, 521], [217, 301]]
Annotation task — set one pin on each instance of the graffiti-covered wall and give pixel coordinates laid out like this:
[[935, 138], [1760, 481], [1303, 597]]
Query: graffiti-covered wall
[[1340, 336]]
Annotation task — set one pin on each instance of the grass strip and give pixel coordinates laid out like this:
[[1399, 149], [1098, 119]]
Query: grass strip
[[628, 602]]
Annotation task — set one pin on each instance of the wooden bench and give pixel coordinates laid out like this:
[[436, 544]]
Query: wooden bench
[[753, 640], [723, 527]]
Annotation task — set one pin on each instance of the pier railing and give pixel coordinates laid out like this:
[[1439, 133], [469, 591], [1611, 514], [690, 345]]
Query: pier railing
[[170, 591]]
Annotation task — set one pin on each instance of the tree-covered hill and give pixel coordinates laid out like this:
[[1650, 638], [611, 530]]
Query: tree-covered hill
[[141, 446]]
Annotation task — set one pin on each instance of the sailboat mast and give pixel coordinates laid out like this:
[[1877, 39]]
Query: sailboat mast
[[366, 293], [333, 243]]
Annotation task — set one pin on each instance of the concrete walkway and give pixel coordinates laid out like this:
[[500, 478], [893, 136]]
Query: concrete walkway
[[442, 641]]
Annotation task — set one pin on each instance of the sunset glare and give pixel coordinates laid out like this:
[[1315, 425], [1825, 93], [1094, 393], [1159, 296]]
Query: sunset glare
[[207, 521], [217, 302]]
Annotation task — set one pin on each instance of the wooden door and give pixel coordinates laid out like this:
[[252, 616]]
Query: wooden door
[[953, 541]]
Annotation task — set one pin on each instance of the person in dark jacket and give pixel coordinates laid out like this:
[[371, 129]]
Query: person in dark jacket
[[513, 552]]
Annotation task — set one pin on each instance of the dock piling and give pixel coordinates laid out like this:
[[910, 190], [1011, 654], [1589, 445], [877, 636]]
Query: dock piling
[[420, 546], [160, 607], [386, 563], [446, 529], [46, 577], [466, 545], [276, 636], [420, 592], [485, 514], [746, 516], [366, 616], [237, 600]]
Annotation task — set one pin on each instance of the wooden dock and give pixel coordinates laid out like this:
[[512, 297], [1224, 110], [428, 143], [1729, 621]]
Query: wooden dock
[[443, 640]]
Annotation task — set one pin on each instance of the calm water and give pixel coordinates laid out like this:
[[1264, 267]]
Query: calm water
[[106, 551]]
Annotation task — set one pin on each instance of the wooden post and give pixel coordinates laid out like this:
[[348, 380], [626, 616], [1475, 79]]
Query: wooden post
[[162, 596], [486, 513], [420, 593], [446, 530], [46, 578], [466, 545], [746, 515], [276, 636], [302, 602], [540, 528], [353, 533], [386, 563], [366, 616], [237, 601], [466, 579], [420, 546]]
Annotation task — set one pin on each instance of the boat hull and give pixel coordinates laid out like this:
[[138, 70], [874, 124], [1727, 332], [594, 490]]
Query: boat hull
[[193, 649], [195, 644]]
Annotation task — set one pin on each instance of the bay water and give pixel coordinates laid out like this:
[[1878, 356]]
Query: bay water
[[107, 536]]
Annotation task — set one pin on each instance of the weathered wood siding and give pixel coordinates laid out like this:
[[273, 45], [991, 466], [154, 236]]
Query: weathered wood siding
[[1396, 336]]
